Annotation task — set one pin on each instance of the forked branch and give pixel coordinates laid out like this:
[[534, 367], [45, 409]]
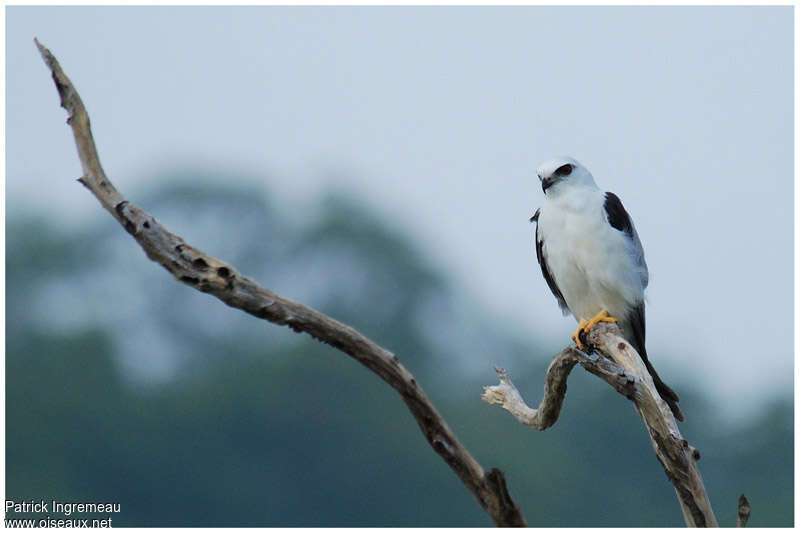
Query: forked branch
[[212, 276], [555, 387], [622, 368]]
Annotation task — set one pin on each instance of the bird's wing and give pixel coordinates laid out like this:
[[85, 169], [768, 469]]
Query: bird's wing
[[548, 277], [620, 220], [633, 324], [636, 328]]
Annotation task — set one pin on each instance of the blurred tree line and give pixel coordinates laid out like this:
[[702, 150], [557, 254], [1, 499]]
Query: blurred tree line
[[125, 386]]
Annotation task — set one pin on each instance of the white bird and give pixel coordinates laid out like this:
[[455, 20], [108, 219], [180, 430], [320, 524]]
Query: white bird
[[592, 259]]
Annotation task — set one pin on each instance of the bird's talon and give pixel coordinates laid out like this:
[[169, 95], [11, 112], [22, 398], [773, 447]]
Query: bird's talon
[[577, 335], [602, 316], [578, 342]]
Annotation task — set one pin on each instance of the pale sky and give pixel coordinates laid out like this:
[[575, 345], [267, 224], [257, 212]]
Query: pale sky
[[438, 118]]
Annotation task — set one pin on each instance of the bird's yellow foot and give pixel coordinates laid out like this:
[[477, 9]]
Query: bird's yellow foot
[[584, 326], [602, 316], [577, 335]]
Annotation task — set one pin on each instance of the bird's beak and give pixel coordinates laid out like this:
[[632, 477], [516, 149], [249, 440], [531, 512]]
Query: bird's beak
[[546, 182]]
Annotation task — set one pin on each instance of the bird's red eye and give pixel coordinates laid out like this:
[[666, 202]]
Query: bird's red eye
[[564, 170]]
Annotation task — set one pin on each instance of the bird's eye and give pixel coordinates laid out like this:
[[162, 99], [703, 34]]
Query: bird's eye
[[564, 170]]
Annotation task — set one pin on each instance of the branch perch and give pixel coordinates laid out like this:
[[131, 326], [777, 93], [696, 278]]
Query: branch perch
[[215, 277], [555, 387], [624, 371]]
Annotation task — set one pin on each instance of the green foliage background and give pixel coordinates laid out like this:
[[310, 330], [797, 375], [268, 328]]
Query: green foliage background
[[257, 426]]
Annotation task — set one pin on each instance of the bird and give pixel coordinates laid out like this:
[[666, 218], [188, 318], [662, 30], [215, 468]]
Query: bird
[[592, 259]]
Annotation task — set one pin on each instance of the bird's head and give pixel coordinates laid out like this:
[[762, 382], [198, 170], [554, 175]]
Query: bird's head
[[561, 172]]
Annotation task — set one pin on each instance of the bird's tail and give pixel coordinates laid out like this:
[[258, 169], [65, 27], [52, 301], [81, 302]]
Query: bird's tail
[[666, 392], [633, 330]]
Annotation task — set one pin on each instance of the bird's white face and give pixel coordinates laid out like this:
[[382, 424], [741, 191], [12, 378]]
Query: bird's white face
[[560, 172]]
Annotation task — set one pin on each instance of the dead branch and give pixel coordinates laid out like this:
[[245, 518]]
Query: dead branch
[[212, 276], [743, 511], [555, 387], [628, 375]]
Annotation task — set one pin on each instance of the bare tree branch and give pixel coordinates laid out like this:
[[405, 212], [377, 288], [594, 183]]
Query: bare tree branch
[[210, 275], [555, 387], [743, 511], [628, 375], [678, 458]]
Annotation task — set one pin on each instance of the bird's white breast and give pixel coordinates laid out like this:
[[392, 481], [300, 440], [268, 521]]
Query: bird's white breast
[[592, 263]]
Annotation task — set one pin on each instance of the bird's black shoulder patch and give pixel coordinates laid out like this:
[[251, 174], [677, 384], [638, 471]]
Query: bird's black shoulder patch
[[617, 216], [535, 217]]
